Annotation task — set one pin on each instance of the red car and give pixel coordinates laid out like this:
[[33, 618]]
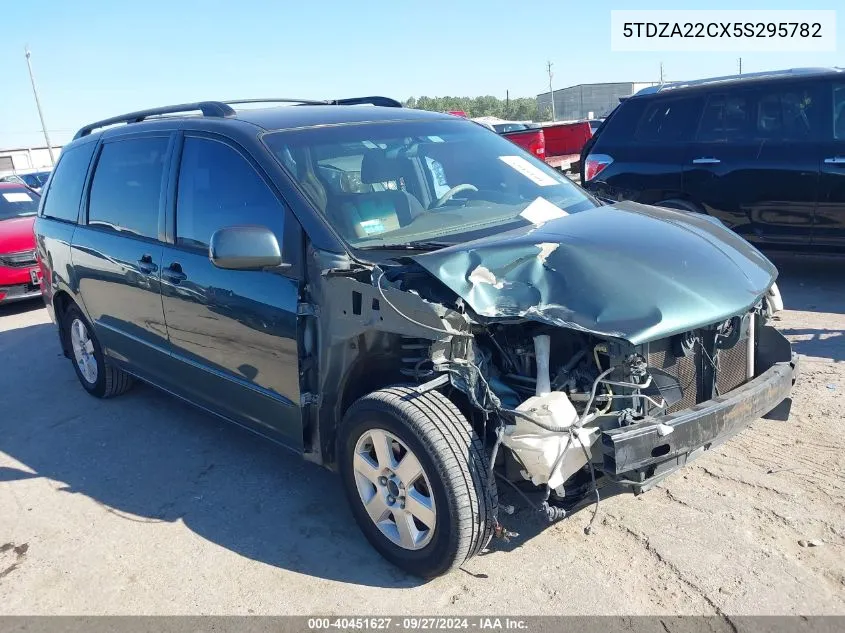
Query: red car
[[19, 273]]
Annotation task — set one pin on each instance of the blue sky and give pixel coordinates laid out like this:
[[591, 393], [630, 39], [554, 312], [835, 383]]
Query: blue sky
[[95, 58]]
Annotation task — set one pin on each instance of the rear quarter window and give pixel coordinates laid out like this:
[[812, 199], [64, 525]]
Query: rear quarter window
[[669, 121], [61, 200], [620, 125]]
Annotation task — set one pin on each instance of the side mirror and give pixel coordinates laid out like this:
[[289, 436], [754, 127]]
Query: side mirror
[[244, 248]]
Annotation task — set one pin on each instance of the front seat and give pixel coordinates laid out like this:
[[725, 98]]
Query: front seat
[[362, 215]]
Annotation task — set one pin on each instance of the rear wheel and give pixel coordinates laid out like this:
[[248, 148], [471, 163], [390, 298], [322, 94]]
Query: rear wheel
[[416, 476], [97, 375]]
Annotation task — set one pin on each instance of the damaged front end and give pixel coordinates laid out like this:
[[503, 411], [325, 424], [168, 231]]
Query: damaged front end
[[577, 352]]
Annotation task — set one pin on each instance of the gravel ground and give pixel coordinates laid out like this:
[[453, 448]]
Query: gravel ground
[[142, 505]]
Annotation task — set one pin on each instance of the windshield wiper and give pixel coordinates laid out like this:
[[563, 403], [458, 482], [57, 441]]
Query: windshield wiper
[[408, 246]]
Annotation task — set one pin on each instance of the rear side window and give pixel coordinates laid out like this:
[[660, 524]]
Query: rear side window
[[839, 111], [790, 113], [726, 117], [63, 195], [219, 188], [669, 120], [127, 185]]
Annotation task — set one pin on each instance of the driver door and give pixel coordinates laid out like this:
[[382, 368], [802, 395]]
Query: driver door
[[233, 333]]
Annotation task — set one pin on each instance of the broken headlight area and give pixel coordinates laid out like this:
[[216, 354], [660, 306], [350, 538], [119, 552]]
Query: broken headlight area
[[546, 395], [564, 408]]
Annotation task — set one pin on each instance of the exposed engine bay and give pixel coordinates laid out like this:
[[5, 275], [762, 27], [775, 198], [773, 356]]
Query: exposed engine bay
[[544, 397], [622, 383]]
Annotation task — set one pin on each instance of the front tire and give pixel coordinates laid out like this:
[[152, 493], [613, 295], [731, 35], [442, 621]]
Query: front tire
[[416, 476], [96, 373]]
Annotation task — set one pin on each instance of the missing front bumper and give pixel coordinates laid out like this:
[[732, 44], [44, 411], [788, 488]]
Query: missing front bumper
[[643, 453]]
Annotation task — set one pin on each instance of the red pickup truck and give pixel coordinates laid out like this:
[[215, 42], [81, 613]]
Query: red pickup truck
[[529, 136], [558, 144]]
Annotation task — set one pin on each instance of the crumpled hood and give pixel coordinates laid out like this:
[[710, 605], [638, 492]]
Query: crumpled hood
[[627, 270]]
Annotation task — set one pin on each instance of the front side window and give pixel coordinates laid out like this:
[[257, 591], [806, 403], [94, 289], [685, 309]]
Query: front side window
[[219, 188], [407, 182], [787, 114], [65, 191], [127, 184]]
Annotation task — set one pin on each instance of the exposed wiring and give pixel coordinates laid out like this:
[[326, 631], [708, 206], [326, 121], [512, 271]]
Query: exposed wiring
[[530, 418], [609, 390], [515, 487], [500, 432], [628, 385], [451, 332], [585, 416], [713, 363], [589, 527]]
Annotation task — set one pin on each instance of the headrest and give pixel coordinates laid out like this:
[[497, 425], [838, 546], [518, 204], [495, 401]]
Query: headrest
[[377, 166]]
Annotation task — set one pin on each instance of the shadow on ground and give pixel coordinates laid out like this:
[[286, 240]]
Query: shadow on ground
[[811, 283], [147, 457], [20, 307]]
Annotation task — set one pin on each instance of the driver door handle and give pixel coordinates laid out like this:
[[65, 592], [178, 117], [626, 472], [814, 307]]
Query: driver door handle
[[706, 160], [835, 160], [173, 273]]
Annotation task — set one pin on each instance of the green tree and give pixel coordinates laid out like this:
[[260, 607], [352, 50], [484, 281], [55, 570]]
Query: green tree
[[519, 109]]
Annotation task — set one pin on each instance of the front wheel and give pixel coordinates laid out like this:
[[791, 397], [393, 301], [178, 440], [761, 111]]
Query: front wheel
[[416, 476]]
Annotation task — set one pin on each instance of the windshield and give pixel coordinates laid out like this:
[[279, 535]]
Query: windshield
[[17, 201], [413, 182], [37, 180]]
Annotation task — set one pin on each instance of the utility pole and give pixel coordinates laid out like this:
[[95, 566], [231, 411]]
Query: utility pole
[[740, 65], [661, 73], [38, 105], [551, 91]]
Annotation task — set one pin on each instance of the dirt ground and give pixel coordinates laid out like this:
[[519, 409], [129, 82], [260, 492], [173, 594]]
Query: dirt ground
[[142, 505]]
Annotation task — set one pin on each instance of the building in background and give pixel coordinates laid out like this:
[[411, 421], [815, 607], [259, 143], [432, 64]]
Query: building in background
[[587, 101], [21, 160]]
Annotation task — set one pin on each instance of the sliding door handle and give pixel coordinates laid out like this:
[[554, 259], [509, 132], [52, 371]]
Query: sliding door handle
[[706, 160], [146, 265], [836, 160]]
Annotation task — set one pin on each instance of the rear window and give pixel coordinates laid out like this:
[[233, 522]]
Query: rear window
[[502, 128], [63, 195], [17, 201], [669, 121]]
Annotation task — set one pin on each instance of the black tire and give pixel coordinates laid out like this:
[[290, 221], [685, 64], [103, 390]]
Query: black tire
[[455, 462], [111, 380]]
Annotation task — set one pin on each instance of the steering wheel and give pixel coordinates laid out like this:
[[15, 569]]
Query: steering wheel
[[450, 194]]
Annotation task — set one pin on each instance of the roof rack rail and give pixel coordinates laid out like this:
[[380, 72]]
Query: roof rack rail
[[208, 108], [386, 102], [276, 100]]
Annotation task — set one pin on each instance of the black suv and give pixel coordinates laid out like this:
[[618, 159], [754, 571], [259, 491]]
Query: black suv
[[410, 299], [764, 153]]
